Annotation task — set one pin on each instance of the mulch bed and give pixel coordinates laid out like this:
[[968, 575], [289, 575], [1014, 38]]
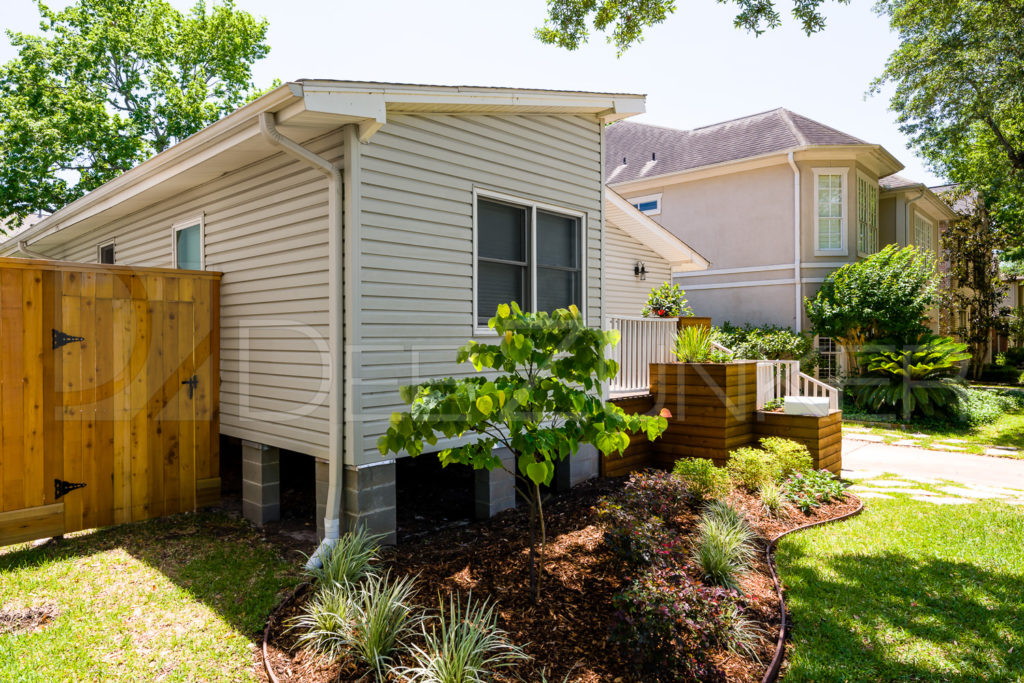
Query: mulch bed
[[567, 632]]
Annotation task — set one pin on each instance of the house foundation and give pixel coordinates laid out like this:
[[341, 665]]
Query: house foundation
[[585, 464], [261, 483], [495, 490], [370, 500]]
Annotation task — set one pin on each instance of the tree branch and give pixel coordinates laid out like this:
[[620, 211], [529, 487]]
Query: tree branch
[[1016, 156]]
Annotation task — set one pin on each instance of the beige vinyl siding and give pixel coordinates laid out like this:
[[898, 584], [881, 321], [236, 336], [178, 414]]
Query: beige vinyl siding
[[414, 294], [266, 230], [624, 293]]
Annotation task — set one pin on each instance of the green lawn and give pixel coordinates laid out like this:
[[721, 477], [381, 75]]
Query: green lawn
[[178, 599], [908, 591], [1007, 430]]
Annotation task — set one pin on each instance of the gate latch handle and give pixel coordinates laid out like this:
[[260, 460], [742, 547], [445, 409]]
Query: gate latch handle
[[192, 383]]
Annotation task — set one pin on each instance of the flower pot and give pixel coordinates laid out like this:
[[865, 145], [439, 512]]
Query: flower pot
[[822, 434], [712, 407]]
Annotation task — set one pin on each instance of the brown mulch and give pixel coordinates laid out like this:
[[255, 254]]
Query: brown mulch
[[567, 632], [27, 619]]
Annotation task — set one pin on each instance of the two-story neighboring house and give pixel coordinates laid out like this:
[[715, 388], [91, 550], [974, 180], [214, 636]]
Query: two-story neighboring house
[[774, 202]]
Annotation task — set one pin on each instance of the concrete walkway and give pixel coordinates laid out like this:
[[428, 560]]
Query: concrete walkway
[[978, 477]]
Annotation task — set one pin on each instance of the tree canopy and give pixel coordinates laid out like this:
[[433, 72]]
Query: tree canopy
[[958, 77], [567, 22], [108, 83]]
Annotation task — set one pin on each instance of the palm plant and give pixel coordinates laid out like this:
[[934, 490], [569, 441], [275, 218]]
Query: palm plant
[[917, 378]]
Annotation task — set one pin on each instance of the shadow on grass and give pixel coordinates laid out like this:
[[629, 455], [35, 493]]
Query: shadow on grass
[[889, 617], [218, 560]]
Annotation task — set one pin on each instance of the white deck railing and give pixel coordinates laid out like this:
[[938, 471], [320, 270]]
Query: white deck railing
[[650, 340], [644, 341]]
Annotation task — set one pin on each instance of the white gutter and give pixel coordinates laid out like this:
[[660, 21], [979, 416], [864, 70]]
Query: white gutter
[[335, 252], [31, 253], [797, 293]]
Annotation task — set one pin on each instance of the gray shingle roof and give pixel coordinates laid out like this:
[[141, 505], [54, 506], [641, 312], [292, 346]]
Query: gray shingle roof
[[897, 182], [635, 150]]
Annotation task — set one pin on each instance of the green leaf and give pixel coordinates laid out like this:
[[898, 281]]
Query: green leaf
[[537, 472]]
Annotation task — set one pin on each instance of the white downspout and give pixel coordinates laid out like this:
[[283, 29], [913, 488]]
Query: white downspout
[[24, 249], [797, 289], [335, 226]]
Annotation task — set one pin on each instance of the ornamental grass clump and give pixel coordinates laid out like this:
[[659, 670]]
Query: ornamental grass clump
[[772, 499], [695, 344], [349, 560], [381, 618], [462, 644], [323, 622], [724, 547], [702, 478]]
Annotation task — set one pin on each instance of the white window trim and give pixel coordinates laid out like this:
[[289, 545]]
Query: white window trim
[[533, 206], [181, 225], [647, 198], [878, 191], [99, 249], [844, 223], [931, 231]]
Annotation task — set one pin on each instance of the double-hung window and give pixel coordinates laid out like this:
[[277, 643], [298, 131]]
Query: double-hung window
[[526, 253], [187, 245], [867, 216], [923, 229], [830, 211]]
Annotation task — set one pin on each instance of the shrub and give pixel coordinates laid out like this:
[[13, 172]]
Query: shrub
[[349, 560], [751, 467], [666, 301], [810, 490], [702, 478], [380, 617], [1003, 374], [462, 645], [668, 625], [774, 404], [743, 634], [724, 547], [323, 621], [789, 456], [771, 342], [913, 379], [634, 518], [980, 406], [772, 499]]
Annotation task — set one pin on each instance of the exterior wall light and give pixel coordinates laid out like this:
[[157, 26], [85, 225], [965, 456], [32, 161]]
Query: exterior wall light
[[640, 270]]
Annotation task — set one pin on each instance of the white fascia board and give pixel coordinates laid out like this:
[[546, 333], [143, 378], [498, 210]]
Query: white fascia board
[[210, 141]]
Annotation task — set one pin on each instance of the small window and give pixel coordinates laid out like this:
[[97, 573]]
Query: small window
[[650, 205], [526, 254], [188, 245], [923, 232], [829, 365], [107, 253]]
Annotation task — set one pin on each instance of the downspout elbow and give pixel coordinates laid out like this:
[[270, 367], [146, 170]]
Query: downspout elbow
[[31, 253]]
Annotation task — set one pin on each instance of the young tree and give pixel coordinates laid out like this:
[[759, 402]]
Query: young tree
[[959, 94], [107, 84], [541, 405], [974, 285], [626, 20], [884, 296]]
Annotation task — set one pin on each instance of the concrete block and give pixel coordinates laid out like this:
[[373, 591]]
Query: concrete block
[[261, 483], [494, 491], [322, 482], [370, 500], [576, 469]]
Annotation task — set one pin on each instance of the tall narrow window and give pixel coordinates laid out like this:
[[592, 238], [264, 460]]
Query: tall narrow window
[[106, 253], [188, 245], [527, 254], [829, 365], [867, 216], [923, 232], [830, 210]]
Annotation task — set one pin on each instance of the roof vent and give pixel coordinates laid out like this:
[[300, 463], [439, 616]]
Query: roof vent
[[653, 158]]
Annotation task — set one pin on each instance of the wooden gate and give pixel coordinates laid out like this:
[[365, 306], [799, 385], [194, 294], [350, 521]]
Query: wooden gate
[[108, 395]]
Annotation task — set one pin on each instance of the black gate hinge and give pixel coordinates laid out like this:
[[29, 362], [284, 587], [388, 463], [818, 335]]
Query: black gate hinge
[[60, 487], [60, 339], [192, 383]]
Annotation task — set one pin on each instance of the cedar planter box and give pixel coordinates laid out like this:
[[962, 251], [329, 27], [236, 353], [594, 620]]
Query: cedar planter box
[[712, 406], [823, 435], [640, 452]]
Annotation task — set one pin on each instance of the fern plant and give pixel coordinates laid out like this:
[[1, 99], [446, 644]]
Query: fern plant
[[917, 378]]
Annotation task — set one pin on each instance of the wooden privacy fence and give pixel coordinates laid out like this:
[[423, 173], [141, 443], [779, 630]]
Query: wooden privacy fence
[[108, 395]]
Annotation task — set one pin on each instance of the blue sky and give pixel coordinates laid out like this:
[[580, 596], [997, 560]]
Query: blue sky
[[696, 69]]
